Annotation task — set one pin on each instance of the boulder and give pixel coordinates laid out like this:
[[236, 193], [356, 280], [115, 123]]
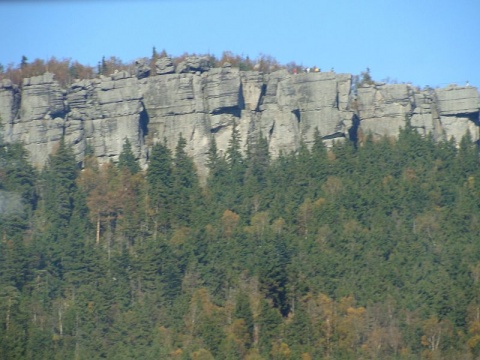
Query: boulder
[[142, 70], [193, 64], [164, 66]]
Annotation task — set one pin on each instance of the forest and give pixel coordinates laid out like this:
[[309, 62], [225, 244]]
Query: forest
[[351, 252]]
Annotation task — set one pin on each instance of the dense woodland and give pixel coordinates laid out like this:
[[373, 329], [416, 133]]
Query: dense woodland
[[368, 252]]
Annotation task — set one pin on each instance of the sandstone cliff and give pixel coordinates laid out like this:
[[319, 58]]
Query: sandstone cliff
[[200, 102]]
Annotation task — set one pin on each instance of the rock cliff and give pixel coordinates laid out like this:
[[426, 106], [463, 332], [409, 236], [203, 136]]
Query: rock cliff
[[200, 102]]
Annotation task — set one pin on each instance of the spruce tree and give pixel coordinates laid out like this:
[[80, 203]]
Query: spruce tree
[[126, 159], [58, 199], [217, 178], [160, 186], [243, 311], [236, 169], [257, 166], [60, 186], [234, 157], [186, 189], [258, 161]]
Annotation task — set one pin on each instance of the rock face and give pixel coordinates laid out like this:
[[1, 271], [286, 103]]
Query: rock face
[[199, 103], [194, 64], [383, 109], [164, 66], [9, 101], [39, 119], [446, 113], [142, 69]]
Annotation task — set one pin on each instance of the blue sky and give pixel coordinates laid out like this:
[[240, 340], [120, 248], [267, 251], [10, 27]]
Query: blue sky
[[424, 42]]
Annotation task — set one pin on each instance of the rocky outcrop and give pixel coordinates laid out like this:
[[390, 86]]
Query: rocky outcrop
[[457, 109], [445, 113], [38, 120], [198, 102], [194, 64], [383, 109], [9, 102], [295, 105], [164, 66], [142, 69]]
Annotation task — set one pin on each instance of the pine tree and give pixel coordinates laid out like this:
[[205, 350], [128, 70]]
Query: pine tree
[[160, 186], [319, 155], [126, 159], [59, 185], [236, 169], [243, 311], [215, 162], [19, 173], [257, 163], [19, 199], [73, 261], [468, 156], [58, 199], [234, 157], [269, 321], [185, 185], [23, 62], [217, 181]]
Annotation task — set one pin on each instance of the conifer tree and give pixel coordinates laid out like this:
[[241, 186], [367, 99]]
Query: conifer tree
[[257, 166], [160, 186], [17, 179], [217, 177], [216, 164], [258, 160], [234, 155], [126, 159], [185, 185], [243, 311], [318, 154], [60, 186], [236, 168], [59, 191], [468, 156]]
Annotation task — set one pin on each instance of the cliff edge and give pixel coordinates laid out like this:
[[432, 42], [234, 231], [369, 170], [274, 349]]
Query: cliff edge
[[200, 102]]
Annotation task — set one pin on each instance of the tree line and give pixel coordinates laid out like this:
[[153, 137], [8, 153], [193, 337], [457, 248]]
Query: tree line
[[352, 252], [67, 70]]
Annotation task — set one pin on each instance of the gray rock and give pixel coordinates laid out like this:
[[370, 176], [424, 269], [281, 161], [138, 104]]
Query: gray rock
[[118, 75], [9, 102], [39, 123], [104, 114], [164, 66], [193, 64], [384, 109], [200, 103], [42, 98], [457, 126], [454, 100], [252, 83], [142, 69], [222, 91]]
